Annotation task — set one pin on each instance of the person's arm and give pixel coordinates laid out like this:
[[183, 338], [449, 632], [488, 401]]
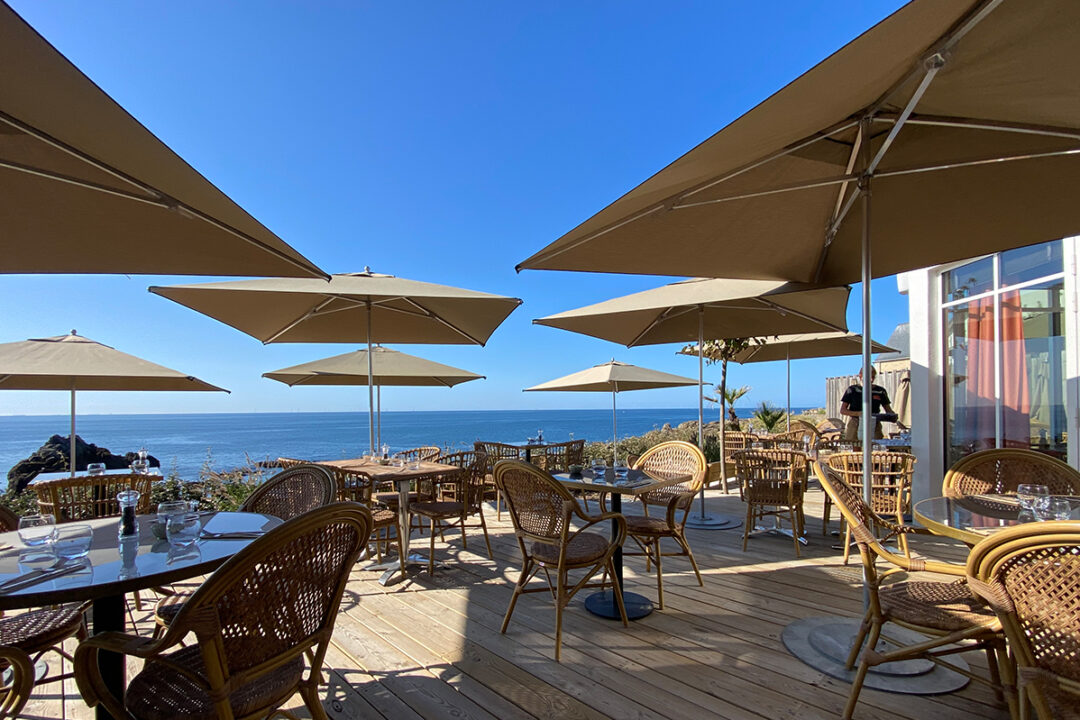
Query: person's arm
[[888, 408], [845, 403], [846, 409]]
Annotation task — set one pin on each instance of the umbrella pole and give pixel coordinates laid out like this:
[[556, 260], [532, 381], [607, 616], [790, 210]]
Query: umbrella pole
[[703, 521], [868, 388], [614, 431], [787, 348], [370, 386], [378, 400], [71, 460]]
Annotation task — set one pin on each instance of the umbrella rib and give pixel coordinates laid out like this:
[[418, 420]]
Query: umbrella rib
[[666, 314], [312, 311], [975, 163], [789, 187], [995, 125], [438, 318], [796, 313], [159, 198]]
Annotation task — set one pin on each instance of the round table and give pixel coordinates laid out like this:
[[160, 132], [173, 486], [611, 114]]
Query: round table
[[113, 569], [972, 518]]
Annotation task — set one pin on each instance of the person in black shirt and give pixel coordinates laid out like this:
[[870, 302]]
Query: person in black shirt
[[851, 407]]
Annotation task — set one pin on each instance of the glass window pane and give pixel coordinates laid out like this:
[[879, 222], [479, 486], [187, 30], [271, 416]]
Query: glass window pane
[[971, 279], [1030, 263], [970, 400], [1033, 369]]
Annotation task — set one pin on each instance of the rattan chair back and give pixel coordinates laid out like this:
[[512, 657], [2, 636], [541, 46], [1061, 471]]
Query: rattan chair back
[[857, 514], [473, 480], [772, 477], [353, 486], [1001, 470], [8, 520], [426, 453], [559, 457], [540, 507], [1030, 575], [494, 452], [285, 463], [734, 441], [94, 496], [890, 479], [293, 492], [675, 458]]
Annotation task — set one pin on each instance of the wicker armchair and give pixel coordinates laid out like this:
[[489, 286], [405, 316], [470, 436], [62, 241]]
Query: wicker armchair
[[557, 458], [493, 452], [82, 498], [285, 463], [773, 484], [808, 432], [387, 494], [734, 441], [890, 487], [1030, 575], [287, 495], [542, 511], [462, 497], [948, 612], [354, 486], [257, 619], [27, 636], [667, 460], [1001, 470]]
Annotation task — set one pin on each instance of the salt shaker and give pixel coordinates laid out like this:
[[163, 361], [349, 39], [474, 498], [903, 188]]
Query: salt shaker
[[129, 526]]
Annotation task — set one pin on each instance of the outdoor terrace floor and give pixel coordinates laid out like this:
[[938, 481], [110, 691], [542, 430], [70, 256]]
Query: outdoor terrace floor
[[431, 648]]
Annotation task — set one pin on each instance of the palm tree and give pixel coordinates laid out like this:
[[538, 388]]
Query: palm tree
[[769, 416], [731, 396]]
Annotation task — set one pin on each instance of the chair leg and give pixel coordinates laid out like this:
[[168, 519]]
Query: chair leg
[[431, 551], [310, 695], [690, 554], [794, 517], [747, 524], [559, 602], [483, 526], [659, 576], [860, 676], [617, 590], [526, 571], [847, 543], [826, 513], [856, 646], [498, 504]]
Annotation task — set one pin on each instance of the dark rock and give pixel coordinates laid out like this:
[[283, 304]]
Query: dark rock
[[53, 457]]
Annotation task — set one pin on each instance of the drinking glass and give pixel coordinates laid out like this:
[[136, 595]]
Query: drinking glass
[[73, 541], [599, 467], [95, 469], [621, 473], [182, 529], [138, 466], [1030, 496], [1057, 508], [37, 531]]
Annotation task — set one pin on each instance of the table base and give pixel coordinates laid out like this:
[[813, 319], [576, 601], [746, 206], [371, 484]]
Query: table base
[[108, 615], [391, 569], [602, 603], [759, 530], [712, 522], [823, 644]]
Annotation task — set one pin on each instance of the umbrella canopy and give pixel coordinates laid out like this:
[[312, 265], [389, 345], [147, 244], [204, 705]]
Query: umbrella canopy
[[85, 188], [807, 345], [72, 362], [354, 307], [730, 308], [613, 377], [389, 367], [965, 114]]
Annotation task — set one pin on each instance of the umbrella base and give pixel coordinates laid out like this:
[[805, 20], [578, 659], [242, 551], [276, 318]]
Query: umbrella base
[[602, 603], [823, 643], [712, 522], [391, 569], [759, 530]]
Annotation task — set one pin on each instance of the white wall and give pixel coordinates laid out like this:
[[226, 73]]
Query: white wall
[[927, 415]]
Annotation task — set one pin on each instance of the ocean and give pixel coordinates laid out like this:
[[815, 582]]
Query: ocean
[[185, 443]]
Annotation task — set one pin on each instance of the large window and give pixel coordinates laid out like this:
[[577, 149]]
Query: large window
[[1005, 352]]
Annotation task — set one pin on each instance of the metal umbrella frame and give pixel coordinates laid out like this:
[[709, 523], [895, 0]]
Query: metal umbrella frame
[[73, 363], [388, 368], [347, 309]]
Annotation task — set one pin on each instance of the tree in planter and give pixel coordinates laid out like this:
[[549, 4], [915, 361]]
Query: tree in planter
[[769, 416], [728, 398]]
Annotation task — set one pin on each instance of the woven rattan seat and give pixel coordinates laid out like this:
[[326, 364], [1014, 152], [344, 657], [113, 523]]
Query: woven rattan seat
[[159, 692], [1030, 575], [542, 511], [288, 494], [640, 525], [948, 613], [944, 606], [586, 547], [391, 499], [259, 620], [41, 628]]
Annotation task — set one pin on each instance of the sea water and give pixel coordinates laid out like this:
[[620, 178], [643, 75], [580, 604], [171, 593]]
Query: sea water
[[185, 443]]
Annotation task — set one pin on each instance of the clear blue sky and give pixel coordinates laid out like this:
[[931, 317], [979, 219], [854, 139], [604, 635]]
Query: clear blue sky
[[439, 141]]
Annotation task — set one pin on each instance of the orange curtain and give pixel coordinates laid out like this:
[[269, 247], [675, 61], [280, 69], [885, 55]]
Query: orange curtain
[[981, 400], [1015, 392]]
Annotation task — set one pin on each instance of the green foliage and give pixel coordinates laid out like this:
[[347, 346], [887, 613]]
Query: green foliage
[[713, 450], [636, 445], [769, 416]]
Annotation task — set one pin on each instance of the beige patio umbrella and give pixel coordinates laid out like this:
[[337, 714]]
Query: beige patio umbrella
[[388, 368], [613, 377], [85, 188], [705, 307], [804, 346], [73, 363], [355, 307]]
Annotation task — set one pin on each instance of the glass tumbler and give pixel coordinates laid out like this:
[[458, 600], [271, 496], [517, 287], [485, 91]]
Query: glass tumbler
[[183, 529], [73, 541]]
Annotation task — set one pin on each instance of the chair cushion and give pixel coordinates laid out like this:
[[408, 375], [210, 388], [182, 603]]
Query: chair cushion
[[381, 517], [41, 628], [641, 525], [390, 499], [159, 692], [939, 605], [441, 509], [584, 548]]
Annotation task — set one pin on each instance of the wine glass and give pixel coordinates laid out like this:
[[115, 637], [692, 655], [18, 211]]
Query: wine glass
[[95, 469]]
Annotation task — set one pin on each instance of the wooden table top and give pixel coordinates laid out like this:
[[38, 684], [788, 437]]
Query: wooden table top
[[389, 472]]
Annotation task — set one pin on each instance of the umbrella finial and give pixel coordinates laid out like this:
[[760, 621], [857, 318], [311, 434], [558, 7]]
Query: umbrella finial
[[73, 331]]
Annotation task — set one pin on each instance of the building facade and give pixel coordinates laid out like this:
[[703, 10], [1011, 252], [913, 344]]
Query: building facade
[[992, 364]]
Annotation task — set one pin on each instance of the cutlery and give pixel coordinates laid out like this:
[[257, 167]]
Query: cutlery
[[39, 576], [238, 535]]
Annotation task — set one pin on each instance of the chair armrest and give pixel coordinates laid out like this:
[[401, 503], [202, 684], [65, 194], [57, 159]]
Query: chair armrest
[[591, 520]]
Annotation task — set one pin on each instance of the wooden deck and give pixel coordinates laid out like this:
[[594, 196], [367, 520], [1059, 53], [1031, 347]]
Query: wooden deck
[[431, 648]]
